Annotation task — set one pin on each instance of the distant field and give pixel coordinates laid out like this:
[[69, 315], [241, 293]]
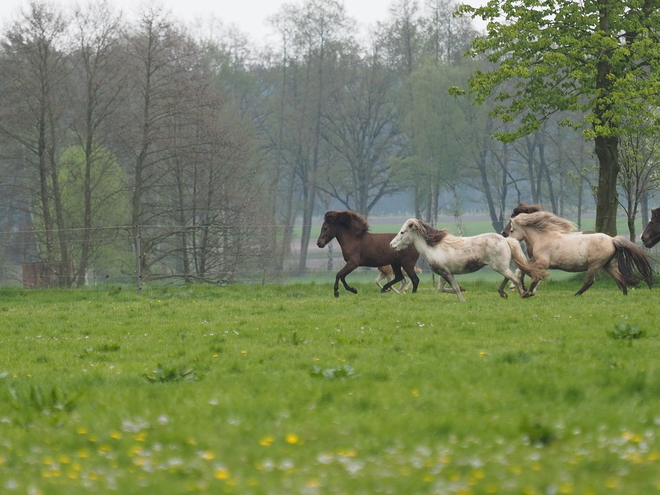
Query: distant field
[[287, 389]]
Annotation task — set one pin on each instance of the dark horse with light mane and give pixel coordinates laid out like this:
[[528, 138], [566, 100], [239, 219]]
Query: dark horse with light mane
[[361, 248], [651, 234]]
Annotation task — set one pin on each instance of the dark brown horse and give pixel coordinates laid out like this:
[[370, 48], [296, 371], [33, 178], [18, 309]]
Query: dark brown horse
[[651, 234], [361, 248]]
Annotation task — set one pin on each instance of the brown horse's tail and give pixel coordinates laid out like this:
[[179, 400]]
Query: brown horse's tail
[[531, 269], [633, 262]]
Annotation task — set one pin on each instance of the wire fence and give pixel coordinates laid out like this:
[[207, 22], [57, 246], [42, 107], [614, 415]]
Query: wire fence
[[171, 257]]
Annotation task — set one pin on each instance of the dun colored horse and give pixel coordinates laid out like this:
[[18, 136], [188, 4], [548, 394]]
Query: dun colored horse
[[359, 247], [555, 245], [448, 255], [651, 234]]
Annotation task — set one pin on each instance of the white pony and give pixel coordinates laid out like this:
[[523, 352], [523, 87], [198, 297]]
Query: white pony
[[448, 255]]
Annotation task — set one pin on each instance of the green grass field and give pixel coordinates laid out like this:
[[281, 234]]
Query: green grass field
[[285, 389]]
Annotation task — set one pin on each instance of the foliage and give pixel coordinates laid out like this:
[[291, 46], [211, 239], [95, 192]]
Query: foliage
[[625, 331], [165, 374]]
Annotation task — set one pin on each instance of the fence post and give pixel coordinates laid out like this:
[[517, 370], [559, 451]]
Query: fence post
[[138, 258]]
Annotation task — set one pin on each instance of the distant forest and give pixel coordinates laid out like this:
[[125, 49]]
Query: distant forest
[[192, 153]]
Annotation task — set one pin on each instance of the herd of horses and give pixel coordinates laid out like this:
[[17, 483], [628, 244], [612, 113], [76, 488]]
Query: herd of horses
[[551, 242]]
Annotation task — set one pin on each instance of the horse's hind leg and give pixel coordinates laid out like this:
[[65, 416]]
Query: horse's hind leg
[[516, 280]]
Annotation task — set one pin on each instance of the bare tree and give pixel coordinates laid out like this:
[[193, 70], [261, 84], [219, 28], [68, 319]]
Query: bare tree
[[35, 67]]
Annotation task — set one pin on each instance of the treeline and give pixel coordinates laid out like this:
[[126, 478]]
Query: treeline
[[207, 150]]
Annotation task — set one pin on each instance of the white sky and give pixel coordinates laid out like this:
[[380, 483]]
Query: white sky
[[249, 16]]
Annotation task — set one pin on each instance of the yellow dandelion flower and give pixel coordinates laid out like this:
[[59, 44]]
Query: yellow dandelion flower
[[479, 474], [221, 474], [347, 453], [565, 488], [313, 483], [82, 453], [537, 466], [653, 456], [267, 440], [243, 352], [208, 455], [515, 469], [48, 461], [72, 475], [291, 438], [415, 392], [64, 459], [252, 482], [141, 436], [136, 450], [81, 430], [491, 488], [2, 460], [104, 449], [611, 483], [115, 434], [428, 477]]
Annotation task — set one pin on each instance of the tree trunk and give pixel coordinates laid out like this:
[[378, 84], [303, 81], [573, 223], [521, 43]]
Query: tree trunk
[[606, 196]]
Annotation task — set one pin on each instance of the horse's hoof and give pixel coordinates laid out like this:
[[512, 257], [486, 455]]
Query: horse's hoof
[[337, 294], [351, 289], [504, 295], [462, 289], [527, 294]]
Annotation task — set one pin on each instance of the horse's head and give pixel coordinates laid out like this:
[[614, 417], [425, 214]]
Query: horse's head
[[651, 234], [404, 238], [328, 229], [507, 230], [521, 208], [513, 230]]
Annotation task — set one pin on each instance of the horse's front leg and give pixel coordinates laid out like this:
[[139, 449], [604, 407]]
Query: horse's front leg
[[501, 289], [341, 275], [589, 280], [449, 277]]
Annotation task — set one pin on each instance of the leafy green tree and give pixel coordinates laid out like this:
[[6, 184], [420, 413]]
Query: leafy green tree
[[596, 60]]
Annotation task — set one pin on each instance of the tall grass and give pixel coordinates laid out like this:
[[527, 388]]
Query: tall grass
[[285, 389]]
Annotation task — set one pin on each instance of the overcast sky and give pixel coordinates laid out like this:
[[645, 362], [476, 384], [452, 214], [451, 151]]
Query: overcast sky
[[248, 15]]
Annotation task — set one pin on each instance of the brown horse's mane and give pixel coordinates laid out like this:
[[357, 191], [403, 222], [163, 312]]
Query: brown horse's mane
[[431, 235], [544, 221], [350, 220], [525, 208]]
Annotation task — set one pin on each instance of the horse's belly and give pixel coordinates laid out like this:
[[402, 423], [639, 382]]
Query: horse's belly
[[469, 266]]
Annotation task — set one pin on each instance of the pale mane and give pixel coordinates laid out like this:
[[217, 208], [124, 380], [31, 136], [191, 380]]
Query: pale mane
[[544, 221], [431, 235]]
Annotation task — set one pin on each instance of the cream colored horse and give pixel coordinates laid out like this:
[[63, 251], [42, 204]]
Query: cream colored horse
[[555, 245], [448, 255]]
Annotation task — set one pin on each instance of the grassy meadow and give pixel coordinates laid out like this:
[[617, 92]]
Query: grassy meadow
[[286, 389]]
